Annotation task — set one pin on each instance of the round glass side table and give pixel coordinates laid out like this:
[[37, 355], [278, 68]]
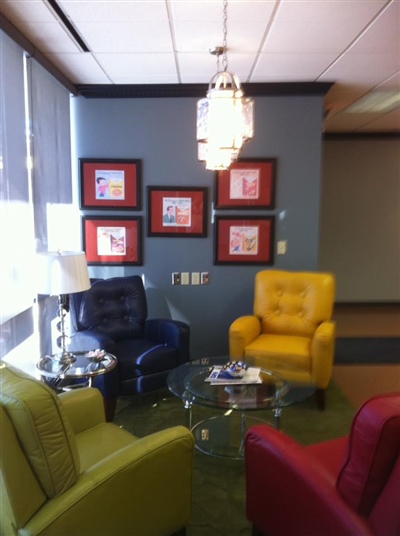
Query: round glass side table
[[79, 372]]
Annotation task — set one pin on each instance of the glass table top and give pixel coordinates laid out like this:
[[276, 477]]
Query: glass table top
[[86, 364], [275, 390]]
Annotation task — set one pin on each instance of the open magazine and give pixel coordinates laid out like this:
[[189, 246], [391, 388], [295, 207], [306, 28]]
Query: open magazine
[[219, 376]]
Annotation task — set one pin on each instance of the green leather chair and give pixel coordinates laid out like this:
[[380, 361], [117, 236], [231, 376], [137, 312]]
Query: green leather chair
[[66, 471]]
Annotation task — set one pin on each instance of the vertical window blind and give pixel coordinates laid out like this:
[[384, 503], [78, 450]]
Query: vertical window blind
[[35, 108], [16, 215]]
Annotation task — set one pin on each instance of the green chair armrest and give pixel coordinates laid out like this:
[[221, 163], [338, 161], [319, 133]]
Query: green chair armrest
[[84, 408], [143, 489]]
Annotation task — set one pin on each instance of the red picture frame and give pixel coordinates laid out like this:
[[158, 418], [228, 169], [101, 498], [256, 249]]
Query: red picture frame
[[247, 240], [247, 184], [110, 184], [176, 211], [110, 241]]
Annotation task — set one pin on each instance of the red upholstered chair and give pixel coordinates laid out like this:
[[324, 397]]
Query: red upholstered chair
[[343, 487]]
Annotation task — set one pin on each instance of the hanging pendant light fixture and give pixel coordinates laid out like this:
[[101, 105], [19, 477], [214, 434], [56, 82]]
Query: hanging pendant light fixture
[[225, 117]]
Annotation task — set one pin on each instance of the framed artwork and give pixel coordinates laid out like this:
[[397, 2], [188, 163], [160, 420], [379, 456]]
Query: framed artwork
[[115, 240], [176, 211], [247, 184], [247, 240], [110, 184]]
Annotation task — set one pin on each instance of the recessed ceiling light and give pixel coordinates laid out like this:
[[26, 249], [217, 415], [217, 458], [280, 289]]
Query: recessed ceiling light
[[376, 101]]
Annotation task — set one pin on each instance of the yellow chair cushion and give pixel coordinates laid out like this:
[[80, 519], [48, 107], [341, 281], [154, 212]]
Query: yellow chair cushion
[[277, 351]]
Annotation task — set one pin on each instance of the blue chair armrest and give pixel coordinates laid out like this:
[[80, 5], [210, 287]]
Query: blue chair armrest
[[171, 333], [91, 340]]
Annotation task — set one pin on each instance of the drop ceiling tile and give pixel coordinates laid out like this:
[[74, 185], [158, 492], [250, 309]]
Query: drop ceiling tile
[[365, 68], [196, 36], [200, 68], [329, 26], [140, 64], [362, 123], [26, 11], [342, 122], [150, 78], [342, 95], [191, 37], [80, 68], [126, 37], [50, 37], [114, 10], [291, 66], [196, 11], [388, 122], [211, 11], [383, 36], [393, 82], [343, 90]]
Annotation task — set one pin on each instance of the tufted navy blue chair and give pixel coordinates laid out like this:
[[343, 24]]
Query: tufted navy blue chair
[[112, 315]]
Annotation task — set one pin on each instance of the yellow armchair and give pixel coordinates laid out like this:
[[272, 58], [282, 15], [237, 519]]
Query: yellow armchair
[[66, 471], [291, 330]]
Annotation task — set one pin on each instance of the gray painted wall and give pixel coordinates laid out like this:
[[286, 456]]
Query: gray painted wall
[[161, 132], [360, 225]]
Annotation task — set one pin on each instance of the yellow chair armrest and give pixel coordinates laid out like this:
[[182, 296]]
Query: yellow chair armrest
[[322, 353], [84, 408], [143, 489], [241, 332]]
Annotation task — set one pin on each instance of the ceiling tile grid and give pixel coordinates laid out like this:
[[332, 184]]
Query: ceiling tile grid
[[354, 44]]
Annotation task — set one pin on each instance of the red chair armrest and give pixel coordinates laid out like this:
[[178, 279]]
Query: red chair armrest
[[290, 493]]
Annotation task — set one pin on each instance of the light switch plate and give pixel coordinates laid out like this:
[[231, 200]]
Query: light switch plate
[[205, 278], [176, 278], [281, 247]]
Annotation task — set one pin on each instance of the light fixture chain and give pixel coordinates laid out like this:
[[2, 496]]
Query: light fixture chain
[[225, 40]]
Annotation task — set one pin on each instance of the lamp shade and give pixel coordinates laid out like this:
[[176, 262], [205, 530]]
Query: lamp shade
[[62, 272]]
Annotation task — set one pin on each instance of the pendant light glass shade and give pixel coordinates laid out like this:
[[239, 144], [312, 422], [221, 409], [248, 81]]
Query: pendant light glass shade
[[225, 118], [224, 121], [215, 159]]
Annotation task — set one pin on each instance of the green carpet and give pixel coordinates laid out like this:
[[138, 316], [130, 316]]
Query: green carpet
[[219, 484]]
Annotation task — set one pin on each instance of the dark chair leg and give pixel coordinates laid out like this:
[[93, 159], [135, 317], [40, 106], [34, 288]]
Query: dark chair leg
[[181, 532], [320, 397], [109, 407], [255, 531]]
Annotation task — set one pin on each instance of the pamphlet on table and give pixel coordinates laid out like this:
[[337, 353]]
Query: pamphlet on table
[[220, 376]]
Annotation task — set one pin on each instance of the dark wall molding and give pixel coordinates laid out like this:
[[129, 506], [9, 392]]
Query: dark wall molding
[[143, 91], [371, 305], [343, 136]]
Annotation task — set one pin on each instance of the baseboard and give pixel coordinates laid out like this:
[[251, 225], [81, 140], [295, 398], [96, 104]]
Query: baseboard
[[367, 350]]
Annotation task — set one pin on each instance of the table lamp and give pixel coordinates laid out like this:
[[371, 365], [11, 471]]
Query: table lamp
[[62, 273]]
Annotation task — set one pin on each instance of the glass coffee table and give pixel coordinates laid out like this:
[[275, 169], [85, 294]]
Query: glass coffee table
[[223, 435]]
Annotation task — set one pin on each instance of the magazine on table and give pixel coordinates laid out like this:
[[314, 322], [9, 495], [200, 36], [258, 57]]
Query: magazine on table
[[219, 376]]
